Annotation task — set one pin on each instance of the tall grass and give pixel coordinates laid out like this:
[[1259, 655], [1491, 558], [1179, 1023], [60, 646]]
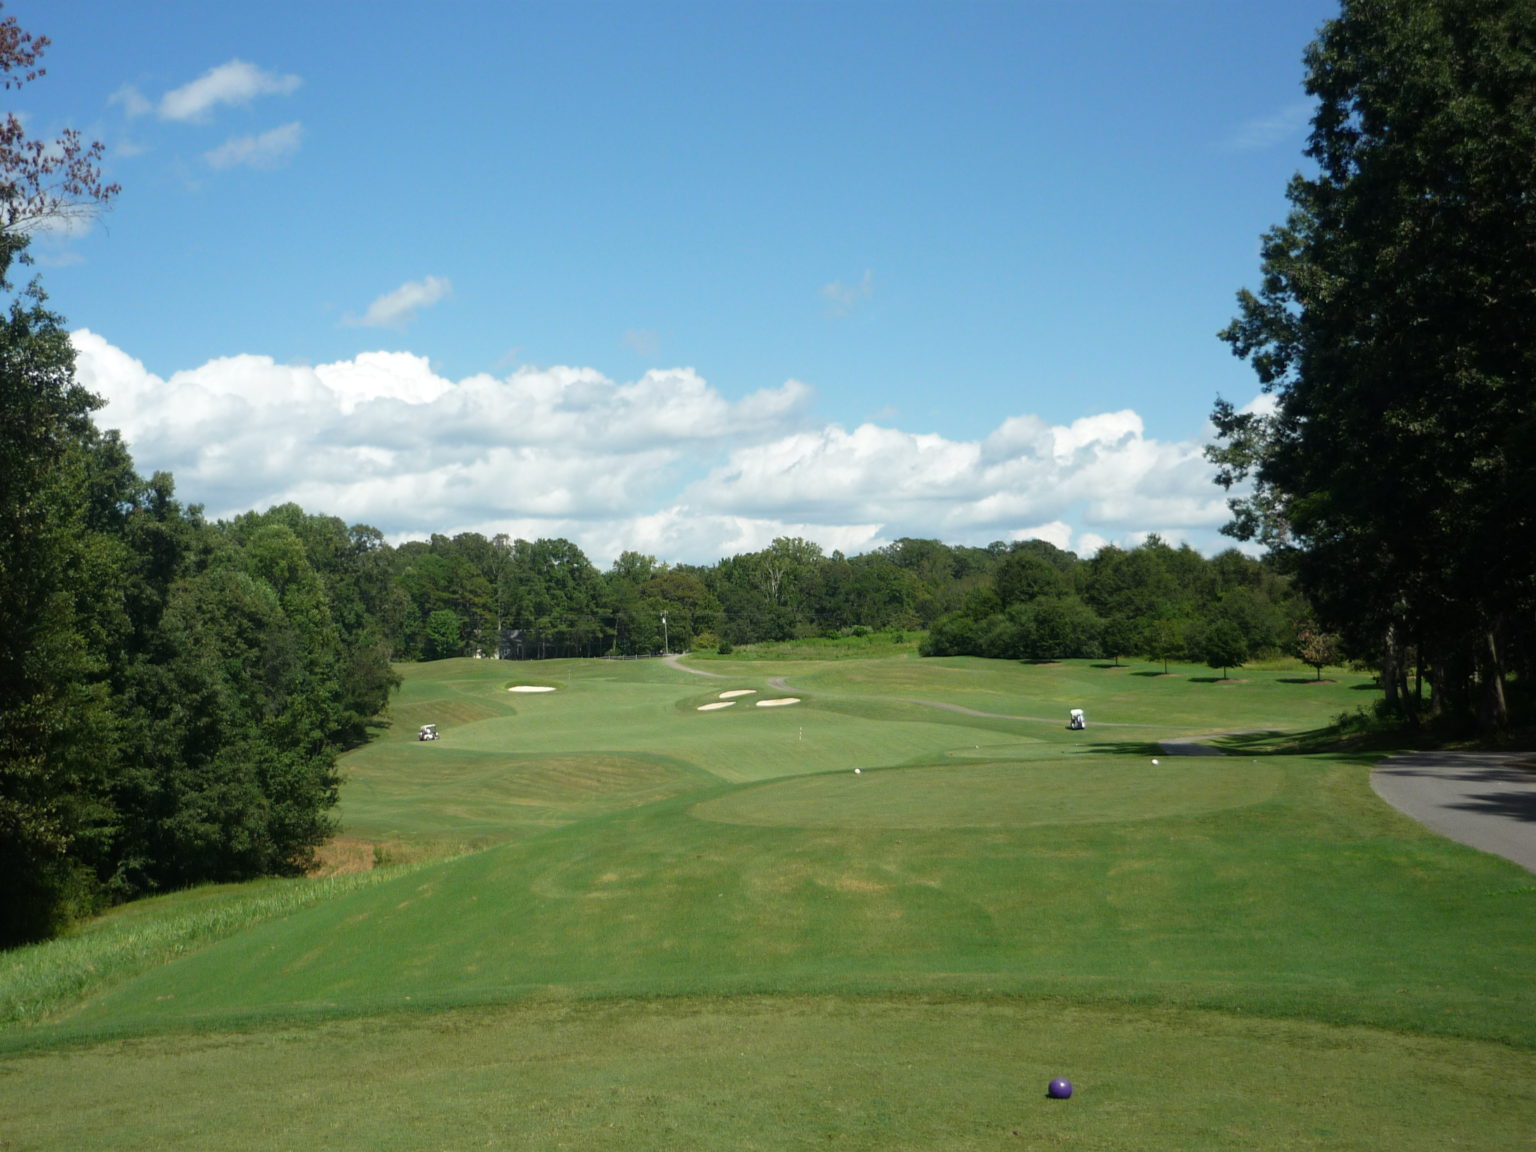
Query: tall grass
[[43, 981]]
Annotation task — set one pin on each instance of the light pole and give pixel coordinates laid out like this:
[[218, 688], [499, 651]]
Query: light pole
[[664, 644]]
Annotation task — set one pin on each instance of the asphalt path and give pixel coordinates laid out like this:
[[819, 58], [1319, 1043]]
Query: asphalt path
[[675, 660], [1484, 799]]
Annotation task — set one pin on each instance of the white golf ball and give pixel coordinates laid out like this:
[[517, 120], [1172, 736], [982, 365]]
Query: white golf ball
[[858, 771], [1154, 761]]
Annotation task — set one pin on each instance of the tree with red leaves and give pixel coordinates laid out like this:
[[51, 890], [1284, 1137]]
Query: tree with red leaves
[[41, 180]]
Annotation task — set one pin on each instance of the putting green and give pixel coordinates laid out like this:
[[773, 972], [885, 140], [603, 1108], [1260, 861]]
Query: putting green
[[1000, 795]]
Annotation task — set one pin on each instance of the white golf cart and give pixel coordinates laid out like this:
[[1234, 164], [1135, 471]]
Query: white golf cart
[[428, 732], [1076, 720]]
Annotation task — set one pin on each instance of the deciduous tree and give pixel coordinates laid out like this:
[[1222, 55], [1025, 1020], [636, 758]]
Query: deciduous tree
[[42, 181], [1396, 328]]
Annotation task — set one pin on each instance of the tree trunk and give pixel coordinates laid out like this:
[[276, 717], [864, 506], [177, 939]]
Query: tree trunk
[[1389, 666], [1416, 703], [1493, 711]]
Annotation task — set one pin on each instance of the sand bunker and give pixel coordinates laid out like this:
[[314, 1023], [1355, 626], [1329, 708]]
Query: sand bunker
[[780, 702], [530, 688], [717, 704], [735, 692]]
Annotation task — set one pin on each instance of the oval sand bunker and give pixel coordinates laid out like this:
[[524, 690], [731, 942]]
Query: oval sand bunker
[[735, 692], [717, 704], [530, 688], [779, 703]]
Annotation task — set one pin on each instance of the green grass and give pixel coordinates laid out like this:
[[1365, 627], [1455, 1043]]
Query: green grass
[[779, 1073], [703, 929], [48, 980]]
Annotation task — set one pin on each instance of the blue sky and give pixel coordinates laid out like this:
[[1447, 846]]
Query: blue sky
[[677, 277]]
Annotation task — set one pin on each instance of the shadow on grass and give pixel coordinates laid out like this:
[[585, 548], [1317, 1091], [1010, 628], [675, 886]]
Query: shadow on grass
[[1257, 743], [1365, 748], [375, 728], [1140, 749]]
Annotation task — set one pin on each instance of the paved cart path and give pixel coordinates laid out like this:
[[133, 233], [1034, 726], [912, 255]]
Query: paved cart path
[[675, 660], [1484, 799]]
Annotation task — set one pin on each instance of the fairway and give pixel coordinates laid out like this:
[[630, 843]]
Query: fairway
[[1009, 794], [629, 923]]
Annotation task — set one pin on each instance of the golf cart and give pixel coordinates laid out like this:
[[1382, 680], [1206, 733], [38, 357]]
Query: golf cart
[[1077, 722], [428, 732]]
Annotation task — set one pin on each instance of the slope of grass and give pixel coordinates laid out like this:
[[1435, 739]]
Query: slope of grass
[[46, 980], [704, 929], [1300, 896]]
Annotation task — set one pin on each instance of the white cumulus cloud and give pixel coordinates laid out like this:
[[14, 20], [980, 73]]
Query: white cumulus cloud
[[666, 464], [236, 82], [268, 150], [395, 308]]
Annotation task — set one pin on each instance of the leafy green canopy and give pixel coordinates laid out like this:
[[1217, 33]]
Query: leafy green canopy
[[1396, 328], [173, 695]]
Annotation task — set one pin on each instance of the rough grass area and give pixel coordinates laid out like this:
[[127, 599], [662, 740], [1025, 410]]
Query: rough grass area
[[47, 980], [703, 929]]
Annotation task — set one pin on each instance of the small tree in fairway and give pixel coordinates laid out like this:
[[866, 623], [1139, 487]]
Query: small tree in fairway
[[1163, 641], [1224, 646], [1316, 648]]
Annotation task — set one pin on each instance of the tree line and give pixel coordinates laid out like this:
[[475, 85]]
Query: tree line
[[1395, 327], [1154, 602], [468, 595], [519, 599], [173, 692]]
